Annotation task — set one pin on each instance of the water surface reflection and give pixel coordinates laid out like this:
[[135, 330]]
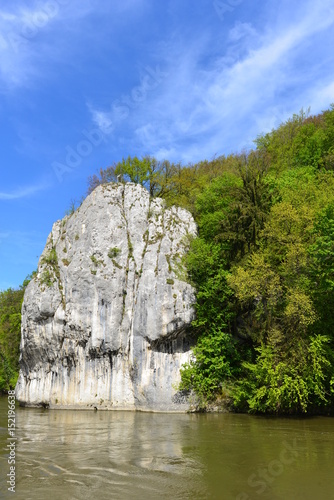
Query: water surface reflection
[[124, 455]]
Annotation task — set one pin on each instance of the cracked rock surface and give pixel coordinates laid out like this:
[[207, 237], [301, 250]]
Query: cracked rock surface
[[104, 322]]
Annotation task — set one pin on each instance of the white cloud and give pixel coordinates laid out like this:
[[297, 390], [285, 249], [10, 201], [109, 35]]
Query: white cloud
[[102, 119], [198, 112], [22, 192]]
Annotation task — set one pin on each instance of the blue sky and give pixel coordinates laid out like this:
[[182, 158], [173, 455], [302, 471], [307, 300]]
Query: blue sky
[[84, 83]]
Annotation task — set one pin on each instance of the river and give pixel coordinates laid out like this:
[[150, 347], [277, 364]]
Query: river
[[79, 455]]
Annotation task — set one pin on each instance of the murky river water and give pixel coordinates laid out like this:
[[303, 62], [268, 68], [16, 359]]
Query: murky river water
[[77, 455]]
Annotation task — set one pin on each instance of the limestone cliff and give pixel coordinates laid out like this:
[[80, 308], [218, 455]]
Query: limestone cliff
[[104, 322]]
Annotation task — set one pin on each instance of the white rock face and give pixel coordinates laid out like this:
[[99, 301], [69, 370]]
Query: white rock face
[[104, 323]]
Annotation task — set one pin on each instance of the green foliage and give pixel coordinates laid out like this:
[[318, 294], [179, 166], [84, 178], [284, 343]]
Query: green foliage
[[130, 246], [206, 270], [214, 356], [175, 183], [10, 334], [97, 262], [213, 204], [51, 272], [114, 252], [280, 143], [322, 249], [159, 177], [321, 269], [135, 169], [301, 141], [50, 258], [47, 278], [263, 268], [296, 383], [116, 264]]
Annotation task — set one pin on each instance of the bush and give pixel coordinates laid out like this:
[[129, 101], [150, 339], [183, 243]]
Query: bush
[[299, 383], [214, 362]]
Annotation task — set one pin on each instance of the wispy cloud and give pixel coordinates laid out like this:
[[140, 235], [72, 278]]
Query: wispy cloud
[[28, 35], [33, 35], [22, 192], [18, 27], [102, 119], [249, 87]]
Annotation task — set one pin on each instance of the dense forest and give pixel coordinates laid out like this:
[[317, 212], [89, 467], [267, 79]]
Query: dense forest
[[262, 266]]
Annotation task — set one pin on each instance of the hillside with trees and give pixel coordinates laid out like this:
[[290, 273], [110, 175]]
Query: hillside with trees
[[262, 265]]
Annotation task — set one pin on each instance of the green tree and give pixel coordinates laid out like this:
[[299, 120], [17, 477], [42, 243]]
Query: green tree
[[10, 334], [251, 199], [298, 382], [215, 355], [322, 250]]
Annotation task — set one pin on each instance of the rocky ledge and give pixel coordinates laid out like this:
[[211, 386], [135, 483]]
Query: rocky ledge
[[105, 322]]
